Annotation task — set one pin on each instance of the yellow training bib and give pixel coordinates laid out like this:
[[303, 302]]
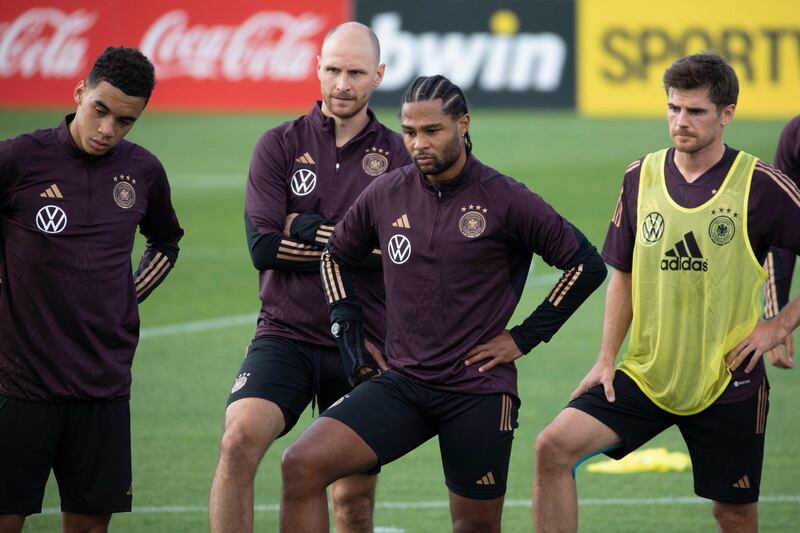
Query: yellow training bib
[[695, 288]]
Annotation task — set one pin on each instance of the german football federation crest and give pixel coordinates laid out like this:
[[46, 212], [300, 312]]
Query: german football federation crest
[[240, 381], [375, 161], [652, 227], [472, 222], [303, 181], [124, 193], [722, 228]]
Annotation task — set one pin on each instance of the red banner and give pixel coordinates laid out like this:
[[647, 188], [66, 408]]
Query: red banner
[[238, 55]]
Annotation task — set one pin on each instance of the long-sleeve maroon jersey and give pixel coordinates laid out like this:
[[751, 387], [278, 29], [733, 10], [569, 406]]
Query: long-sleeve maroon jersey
[[455, 259], [69, 320], [296, 168]]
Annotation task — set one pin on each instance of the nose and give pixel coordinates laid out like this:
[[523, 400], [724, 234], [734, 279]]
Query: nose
[[342, 83], [106, 127], [420, 142]]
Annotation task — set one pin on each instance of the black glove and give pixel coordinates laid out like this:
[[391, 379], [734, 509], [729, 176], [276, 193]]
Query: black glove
[[305, 225], [359, 366]]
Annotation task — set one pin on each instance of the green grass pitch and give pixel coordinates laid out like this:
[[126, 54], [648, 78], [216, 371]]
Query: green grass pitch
[[182, 378]]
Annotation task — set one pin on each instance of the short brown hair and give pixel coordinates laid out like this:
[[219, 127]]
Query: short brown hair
[[706, 69]]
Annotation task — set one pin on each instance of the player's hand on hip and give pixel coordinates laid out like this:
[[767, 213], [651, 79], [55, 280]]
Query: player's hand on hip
[[377, 355], [602, 373], [782, 356], [499, 350], [766, 336]]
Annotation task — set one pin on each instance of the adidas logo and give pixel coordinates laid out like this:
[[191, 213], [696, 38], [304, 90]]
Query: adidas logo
[[488, 479], [685, 255], [306, 159], [743, 483], [52, 192], [402, 222]]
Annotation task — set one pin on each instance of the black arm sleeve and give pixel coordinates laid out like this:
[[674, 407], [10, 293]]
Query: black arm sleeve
[[584, 272], [779, 266], [155, 264], [337, 283], [274, 251]]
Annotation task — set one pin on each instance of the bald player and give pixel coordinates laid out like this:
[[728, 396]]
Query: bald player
[[303, 177]]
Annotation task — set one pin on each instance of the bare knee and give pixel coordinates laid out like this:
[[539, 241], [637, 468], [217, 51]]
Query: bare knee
[[476, 524], [353, 500], [736, 518], [552, 451], [300, 470], [11, 523]]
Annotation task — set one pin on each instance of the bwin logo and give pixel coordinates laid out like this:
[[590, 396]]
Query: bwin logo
[[399, 249], [303, 182], [51, 219], [685, 256], [523, 62]]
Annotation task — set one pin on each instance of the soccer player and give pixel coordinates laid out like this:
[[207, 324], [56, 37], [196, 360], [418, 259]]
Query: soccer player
[[304, 175], [456, 238], [780, 262], [687, 240], [71, 199]]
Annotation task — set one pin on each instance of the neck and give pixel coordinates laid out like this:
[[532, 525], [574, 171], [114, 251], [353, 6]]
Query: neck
[[346, 128], [695, 164], [451, 173]]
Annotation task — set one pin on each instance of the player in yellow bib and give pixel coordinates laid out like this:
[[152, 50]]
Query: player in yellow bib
[[687, 239]]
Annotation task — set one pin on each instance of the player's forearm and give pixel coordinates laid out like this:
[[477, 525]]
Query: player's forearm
[[155, 264], [572, 289], [789, 318], [618, 316], [337, 283], [276, 251]]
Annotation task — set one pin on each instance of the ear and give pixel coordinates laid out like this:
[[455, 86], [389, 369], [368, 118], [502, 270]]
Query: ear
[[319, 67], [79, 92], [463, 124], [727, 114], [379, 74]]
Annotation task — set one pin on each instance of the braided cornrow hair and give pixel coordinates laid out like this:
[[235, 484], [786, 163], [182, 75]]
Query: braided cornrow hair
[[454, 103]]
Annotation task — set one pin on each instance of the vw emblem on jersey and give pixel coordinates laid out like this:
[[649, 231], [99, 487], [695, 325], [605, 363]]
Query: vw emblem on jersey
[[399, 249], [51, 219], [303, 181], [653, 227]]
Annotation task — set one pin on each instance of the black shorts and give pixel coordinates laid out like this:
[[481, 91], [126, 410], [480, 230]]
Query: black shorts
[[395, 414], [290, 374], [725, 441], [87, 445]]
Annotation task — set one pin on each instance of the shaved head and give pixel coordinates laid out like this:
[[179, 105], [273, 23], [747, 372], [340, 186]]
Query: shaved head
[[353, 34]]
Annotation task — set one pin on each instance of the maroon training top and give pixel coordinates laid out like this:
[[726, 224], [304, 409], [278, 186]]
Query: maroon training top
[[773, 216], [455, 260], [69, 321], [297, 168]]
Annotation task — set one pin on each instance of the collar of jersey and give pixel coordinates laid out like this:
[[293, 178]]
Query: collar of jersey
[[453, 186]]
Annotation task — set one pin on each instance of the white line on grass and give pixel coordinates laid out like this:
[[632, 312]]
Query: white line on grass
[[444, 504], [248, 319]]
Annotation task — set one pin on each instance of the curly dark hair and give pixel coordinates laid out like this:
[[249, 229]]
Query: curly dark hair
[[706, 69], [127, 69]]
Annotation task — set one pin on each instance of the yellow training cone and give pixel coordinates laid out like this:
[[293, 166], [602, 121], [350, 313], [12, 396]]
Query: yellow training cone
[[650, 460]]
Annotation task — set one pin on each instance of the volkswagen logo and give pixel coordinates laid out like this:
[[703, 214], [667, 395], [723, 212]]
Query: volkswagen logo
[[303, 181], [51, 219], [399, 249]]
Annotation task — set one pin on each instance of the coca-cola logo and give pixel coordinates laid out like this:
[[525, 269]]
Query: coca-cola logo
[[46, 42], [269, 45]]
